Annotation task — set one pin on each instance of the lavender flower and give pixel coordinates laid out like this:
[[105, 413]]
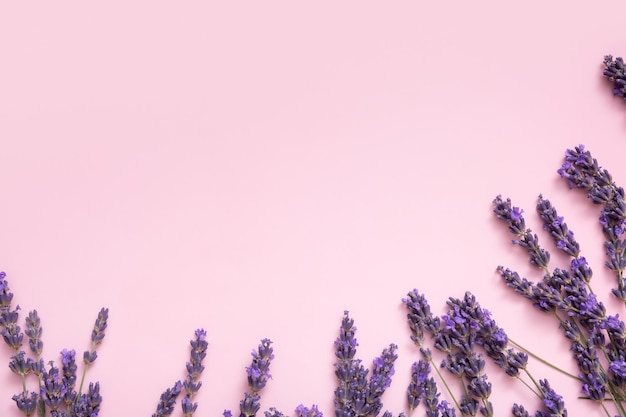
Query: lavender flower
[[273, 412], [6, 296], [88, 404], [258, 375], [21, 365], [26, 402], [420, 319], [415, 392], [194, 369], [519, 411], [581, 170], [505, 211], [34, 331], [354, 396], [302, 411], [11, 331], [250, 405], [68, 360], [614, 72], [552, 402], [431, 397], [380, 380], [445, 409], [345, 345], [97, 335], [165, 407], [554, 224], [259, 369], [53, 390]]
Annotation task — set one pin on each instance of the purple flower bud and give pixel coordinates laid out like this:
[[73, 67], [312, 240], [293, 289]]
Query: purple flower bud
[[165, 407], [26, 402]]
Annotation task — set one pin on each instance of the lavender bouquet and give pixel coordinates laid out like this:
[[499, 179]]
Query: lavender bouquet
[[56, 389], [449, 378], [598, 339]]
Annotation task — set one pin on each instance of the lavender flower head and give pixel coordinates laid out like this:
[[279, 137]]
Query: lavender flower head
[[6, 296], [419, 316], [165, 407], [194, 368], [614, 72], [273, 412], [420, 372], [53, 390], [524, 237], [21, 365], [552, 401], [354, 395], [380, 380], [9, 329], [259, 370], [302, 411], [26, 402], [97, 335], [554, 224], [34, 331], [345, 345]]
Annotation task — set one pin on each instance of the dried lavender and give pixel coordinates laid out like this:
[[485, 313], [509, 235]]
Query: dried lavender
[[614, 72], [354, 395], [598, 340], [302, 411], [165, 406], [581, 170], [194, 369], [55, 386], [97, 335], [464, 334], [258, 374]]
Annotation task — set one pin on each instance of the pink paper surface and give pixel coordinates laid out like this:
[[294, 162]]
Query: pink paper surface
[[257, 168]]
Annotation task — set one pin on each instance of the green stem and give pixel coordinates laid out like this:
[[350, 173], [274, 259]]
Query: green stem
[[540, 359], [443, 380]]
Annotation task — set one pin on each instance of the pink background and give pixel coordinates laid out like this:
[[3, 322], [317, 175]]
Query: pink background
[[257, 168]]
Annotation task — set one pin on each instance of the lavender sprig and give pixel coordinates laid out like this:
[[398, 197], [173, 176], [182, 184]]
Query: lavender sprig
[[524, 237], [354, 395], [259, 370], [34, 331], [165, 407], [258, 374], [581, 170], [194, 369], [556, 226], [9, 329], [97, 335], [614, 72]]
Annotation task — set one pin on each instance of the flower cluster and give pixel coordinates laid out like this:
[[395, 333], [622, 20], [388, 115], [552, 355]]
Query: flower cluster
[[56, 387], [614, 71], [464, 335], [355, 395], [463, 338], [598, 339]]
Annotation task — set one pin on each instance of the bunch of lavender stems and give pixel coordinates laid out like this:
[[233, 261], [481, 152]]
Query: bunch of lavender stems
[[357, 395], [598, 340], [56, 387], [465, 334]]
